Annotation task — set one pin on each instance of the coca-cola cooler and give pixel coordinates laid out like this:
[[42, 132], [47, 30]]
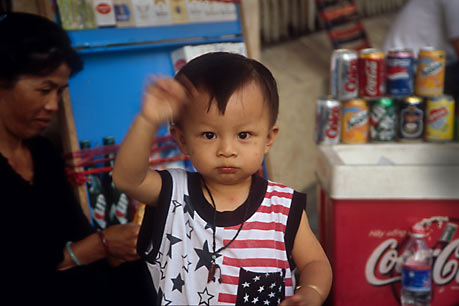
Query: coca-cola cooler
[[368, 198]]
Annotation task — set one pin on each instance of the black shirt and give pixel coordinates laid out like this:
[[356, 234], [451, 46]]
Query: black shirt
[[37, 220]]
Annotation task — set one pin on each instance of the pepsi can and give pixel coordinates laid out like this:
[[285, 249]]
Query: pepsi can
[[344, 77], [400, 72]]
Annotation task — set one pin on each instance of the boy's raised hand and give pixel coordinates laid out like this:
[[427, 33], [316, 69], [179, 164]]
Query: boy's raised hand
[[164, 98]]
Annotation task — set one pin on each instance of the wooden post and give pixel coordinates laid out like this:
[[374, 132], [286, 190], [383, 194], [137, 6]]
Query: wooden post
[[250, 20]]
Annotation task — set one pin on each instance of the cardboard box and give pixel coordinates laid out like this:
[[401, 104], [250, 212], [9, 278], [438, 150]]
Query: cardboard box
[[104, 13]]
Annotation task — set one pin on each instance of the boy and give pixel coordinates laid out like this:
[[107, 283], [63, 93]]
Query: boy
[[222, 235]]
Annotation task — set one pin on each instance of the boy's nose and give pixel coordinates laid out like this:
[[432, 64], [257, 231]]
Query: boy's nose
[[226, 148]]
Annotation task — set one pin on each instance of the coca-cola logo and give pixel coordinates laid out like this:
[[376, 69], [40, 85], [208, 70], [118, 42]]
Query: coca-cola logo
[[371, 69], [383, 260], [351, 84], [332, 130], [436, 114], [103, 8]]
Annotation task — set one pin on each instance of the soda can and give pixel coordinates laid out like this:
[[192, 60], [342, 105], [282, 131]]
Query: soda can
[[430, 72], [439, 119], [400, 72], [343, 71], [354, 121], [327, 129], [372, 73], [382, 120], [411, 123]]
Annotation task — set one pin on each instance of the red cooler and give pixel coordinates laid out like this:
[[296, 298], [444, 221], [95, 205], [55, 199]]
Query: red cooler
[[369, 196]]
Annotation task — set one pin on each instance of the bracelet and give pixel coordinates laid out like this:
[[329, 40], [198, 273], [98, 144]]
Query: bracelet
[[72, 255], [104, 242], [313, 287]]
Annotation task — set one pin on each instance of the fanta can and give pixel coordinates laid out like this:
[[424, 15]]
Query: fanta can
[[355, 121], [430, 72]]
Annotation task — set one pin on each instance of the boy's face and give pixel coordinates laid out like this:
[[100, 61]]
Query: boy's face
[[229, 148]]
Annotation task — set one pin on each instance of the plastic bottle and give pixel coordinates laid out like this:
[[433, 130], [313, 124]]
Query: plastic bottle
[[416, 270]]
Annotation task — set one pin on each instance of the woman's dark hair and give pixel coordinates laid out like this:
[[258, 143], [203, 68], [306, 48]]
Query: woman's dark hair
[[33, 45], [221, 74]]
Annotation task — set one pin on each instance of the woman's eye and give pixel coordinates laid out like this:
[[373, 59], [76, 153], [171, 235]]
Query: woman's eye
[[44, 91], [208, 135], [244, 135]]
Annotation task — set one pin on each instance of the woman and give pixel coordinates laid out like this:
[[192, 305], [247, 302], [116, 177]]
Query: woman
[[51, 251]]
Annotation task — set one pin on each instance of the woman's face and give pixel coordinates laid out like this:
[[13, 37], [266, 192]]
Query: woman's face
[[28, 107]]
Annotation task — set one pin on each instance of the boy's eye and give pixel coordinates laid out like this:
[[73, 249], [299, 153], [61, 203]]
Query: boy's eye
[[208, 135], [243, 135]]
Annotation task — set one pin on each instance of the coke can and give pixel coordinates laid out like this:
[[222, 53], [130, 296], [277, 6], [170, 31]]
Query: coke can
[[382, 120], [430, 72], [343, 71], [327, 129], [400, 72], [354, 121], [372, 73], [439, 119], [411, 123]]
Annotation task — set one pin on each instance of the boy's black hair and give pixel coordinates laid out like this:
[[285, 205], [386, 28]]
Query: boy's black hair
[[222, 73], [33, 45]]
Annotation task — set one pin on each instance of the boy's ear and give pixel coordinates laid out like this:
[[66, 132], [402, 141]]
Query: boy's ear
[[177, 133], [272, 135]]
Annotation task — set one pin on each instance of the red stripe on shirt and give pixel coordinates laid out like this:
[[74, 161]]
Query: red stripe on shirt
[[257, 225], [277, 184], [279, 209], [227, 298], [256, 262], [279, 194], [252, 243], [228, 279]]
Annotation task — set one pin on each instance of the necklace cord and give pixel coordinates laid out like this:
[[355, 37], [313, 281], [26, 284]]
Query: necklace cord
[[214, 225]]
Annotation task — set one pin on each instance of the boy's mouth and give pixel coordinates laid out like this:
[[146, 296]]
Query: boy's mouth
[[227, 170]]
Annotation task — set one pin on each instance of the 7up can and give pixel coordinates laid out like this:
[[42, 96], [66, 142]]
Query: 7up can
[[382, 120], [354, 121]]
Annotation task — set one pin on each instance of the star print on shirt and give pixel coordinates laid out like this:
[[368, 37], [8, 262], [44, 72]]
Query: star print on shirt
[[173, 240], [260, 288], [187, 263], [205, 297], [176, 205], [188, 206], [204, 256], [178, 283], [189, 228]]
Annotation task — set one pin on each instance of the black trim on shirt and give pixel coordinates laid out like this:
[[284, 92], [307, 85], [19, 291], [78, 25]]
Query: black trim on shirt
[[226, 218], [154, 221], [297, 206]]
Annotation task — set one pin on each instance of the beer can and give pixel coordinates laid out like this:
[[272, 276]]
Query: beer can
[[354, 121], [327, 129], [372, 73], [430, 72], [439, 118], [411, 122], [400, 72], [382, 120], [343, 71]]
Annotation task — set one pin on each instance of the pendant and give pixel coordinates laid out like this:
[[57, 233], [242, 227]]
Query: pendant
[[212, 269]]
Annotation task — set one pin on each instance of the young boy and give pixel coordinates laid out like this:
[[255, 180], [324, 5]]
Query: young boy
[[222, 235]]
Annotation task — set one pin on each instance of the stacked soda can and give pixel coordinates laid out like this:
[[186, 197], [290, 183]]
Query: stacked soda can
[[385, 98]]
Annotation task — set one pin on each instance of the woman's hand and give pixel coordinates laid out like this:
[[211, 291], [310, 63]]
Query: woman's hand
[[122, 241]]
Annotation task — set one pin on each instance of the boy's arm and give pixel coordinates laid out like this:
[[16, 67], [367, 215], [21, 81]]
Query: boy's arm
[[163, 99], [314, 267]]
